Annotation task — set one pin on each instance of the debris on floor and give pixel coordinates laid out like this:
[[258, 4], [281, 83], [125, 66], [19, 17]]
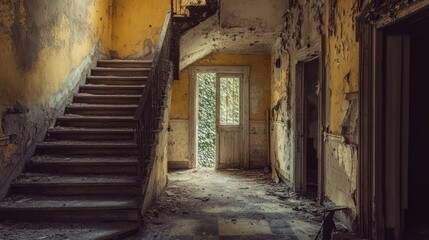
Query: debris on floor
[[229, 204]]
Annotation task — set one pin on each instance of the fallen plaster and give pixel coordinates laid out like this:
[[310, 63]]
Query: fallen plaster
[[209, 204]]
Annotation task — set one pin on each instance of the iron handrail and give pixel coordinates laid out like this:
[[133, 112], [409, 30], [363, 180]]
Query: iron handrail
[[150, 110]]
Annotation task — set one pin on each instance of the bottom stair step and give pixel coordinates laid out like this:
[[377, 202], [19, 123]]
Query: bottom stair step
[[72, 231], [88, 148], [68, 185], [72, 208], [83, 165]]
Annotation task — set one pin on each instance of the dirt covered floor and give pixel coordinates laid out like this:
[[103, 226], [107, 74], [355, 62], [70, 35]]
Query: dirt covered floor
[[231, 204]]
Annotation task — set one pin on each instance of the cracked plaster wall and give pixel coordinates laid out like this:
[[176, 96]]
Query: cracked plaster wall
[[47, 48], [137, 26], [241, 26], [305, 22]]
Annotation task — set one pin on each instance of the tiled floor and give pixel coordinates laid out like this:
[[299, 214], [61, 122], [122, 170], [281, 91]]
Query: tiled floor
[[206, 204]]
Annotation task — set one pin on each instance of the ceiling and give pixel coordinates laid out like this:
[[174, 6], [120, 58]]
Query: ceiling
[[244, 26]]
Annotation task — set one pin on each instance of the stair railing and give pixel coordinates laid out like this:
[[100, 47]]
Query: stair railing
[[153, 103], [179, 6]]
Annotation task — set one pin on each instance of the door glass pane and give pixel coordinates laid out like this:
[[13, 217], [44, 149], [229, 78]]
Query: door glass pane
[[229, 97]]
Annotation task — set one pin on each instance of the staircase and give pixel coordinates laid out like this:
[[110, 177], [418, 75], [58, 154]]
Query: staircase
[[81, 182]]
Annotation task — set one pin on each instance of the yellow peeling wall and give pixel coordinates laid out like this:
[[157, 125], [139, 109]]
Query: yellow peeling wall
[[308, 21], [45, 46], [137, 25], [341, 158], [343, 61], [259, 102]]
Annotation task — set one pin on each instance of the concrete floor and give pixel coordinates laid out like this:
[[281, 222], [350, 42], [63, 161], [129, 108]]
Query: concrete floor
[[209, 204]]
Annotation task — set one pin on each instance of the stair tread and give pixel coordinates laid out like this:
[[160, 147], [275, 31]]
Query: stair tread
[[121, 69], [89, 130], [90, 105], [29, 178], [118, 77], [86, 117], [64, 230], [124, 61], [67, 202], [89, 86], [88, 143], [89, 95], [47, 159]]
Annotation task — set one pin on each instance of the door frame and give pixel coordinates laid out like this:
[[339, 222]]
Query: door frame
[[193, 109], [311, 52], [370, 35]]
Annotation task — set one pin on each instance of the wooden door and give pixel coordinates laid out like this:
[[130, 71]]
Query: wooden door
[[228, 121]]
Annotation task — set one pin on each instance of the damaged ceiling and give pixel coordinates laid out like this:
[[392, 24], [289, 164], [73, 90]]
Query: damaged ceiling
[[245, 26]]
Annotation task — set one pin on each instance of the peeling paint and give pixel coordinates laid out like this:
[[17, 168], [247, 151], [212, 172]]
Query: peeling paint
[[242, 26], [303, 23], [137, 26], [47, 48]]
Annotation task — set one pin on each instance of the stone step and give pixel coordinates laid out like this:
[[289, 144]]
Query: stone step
[[106, 99], [101, 109], [64, 133], [119, 63], [70, 185], [83, 165], [112, 89], [88, 148], [69, 208], [96, 121], [121, 72], [67, 230], [111, 80]]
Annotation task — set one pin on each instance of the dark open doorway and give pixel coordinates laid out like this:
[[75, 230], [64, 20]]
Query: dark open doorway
[[405, 129], [417, 212], [308, 124], [311, 106]]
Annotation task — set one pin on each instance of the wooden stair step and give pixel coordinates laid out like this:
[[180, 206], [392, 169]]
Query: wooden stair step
[[101, 109], [69, 208], [70, 120], [88, 148], [64, 133], [106, 99], [112, 80], [68, 230], [130, 72], [66, 184], [83, 165], [119, 63], [112, 89]]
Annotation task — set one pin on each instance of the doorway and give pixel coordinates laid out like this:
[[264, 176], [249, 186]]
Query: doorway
[[406, 81], [309, 122], [403, 128], [417, 212], [219, 122]]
